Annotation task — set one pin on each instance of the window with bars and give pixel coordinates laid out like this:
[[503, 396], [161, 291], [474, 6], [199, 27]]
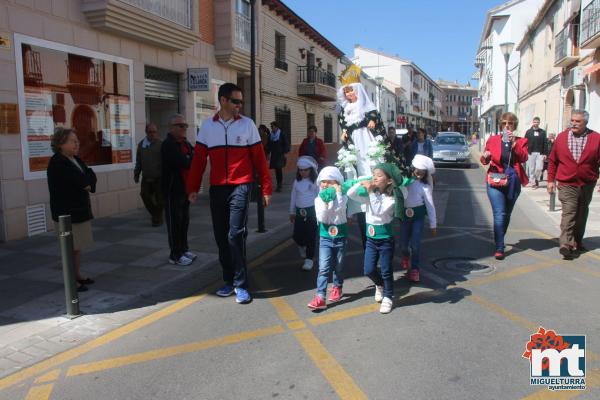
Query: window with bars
[[327, 129], [280, 60], [283, 117]]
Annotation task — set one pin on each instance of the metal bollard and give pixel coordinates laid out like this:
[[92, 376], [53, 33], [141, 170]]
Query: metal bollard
[[66, 250], [552, 200], [260, 209]]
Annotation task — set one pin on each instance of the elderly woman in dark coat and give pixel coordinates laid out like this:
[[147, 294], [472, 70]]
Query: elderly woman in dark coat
[[70, 182], [277, 147]]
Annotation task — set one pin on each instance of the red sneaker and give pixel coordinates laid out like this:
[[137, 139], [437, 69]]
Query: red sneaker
[[317, 303], [499, 255], [335, 294], [414, 276], [405, 263]]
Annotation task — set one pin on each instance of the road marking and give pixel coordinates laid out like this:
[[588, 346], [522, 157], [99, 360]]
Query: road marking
[[49, 377], [342, 383], [42, 392], [333, 372], [111, 336], [172, 351], [284, 310], [295, 325], [100, 341], [517, 319], [340, 315], [592, 381], [508, 274]]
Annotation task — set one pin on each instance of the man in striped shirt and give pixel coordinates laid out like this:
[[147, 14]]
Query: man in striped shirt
[[573, 168]]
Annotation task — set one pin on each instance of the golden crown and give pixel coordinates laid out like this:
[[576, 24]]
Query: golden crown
[[350, 75]]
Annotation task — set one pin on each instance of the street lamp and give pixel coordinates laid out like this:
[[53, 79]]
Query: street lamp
[[379, 81], [506, 49]]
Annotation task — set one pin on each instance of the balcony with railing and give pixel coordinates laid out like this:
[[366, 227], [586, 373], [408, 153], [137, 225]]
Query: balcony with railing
[[242, 32], [85, 80], [232, 44], [177, 11], [590, 26], [316, 83], [166, 23], [32, 68], [566, 51]]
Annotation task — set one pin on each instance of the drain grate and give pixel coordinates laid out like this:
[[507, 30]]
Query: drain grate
[[463, 266]]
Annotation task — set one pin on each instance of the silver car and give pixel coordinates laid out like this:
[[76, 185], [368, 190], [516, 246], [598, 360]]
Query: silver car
[[450, 148]]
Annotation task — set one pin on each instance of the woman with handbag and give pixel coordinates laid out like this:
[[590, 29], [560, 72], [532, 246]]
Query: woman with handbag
[[505, 155]]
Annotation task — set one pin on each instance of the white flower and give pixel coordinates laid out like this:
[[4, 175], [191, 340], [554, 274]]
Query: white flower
[[379, 138]]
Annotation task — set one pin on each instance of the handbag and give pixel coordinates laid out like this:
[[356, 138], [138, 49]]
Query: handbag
[[499, 179]]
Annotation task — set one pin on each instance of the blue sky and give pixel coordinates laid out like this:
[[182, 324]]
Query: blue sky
[[441, 36]]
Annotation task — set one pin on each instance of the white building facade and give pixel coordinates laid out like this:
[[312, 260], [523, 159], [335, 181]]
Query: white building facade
[[419, 98], [506, 23]]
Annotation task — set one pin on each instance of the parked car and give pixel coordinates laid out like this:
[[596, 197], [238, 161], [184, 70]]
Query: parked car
[[451, 148]]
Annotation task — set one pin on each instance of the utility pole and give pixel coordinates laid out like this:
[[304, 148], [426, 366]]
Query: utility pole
[[259, 201]]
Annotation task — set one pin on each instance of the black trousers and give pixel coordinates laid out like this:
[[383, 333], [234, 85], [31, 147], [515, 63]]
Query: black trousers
[[153, 199], [279, 177], [229, 210], [177, 217], [305, 233], [362, 225]]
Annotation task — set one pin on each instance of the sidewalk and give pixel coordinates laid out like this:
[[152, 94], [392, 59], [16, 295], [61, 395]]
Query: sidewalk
[[133, 278], [550, 220]]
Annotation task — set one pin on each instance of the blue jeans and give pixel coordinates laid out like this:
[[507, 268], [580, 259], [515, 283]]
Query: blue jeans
[[502, 208], [381, 250], [410, 238], [331, 258], [229, 210]]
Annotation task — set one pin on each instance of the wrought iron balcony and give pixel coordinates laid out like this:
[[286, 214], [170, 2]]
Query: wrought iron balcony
[[566, 51], [590, 26], [316, 83]]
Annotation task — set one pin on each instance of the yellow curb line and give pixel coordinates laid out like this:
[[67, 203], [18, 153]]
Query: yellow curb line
[[121, 331]]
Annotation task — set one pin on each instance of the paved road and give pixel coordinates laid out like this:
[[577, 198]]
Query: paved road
[[459, 334]]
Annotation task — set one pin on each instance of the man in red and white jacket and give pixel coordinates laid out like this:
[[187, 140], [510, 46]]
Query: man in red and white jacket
[[234, 147], [573, 168]]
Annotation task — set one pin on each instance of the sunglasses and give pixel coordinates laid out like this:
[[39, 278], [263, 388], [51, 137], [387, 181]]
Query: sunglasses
[[303, 169], [237, 102], [181, 125]]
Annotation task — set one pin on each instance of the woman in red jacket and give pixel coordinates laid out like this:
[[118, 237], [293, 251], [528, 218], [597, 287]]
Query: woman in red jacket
[[505, 154]]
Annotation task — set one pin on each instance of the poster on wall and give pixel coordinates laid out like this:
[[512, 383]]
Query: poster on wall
[[40, 126], [61, 86], [120, 128]]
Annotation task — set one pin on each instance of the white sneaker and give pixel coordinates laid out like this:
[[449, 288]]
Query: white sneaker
[[302, 251], [378, 293], [183, 261], [386, 305], [308, 264], [190, 255]]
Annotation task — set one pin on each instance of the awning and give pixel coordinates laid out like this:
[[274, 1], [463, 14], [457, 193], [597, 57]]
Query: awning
[[591, 69]]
